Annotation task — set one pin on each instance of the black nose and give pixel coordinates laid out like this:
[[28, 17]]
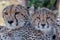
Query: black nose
[[43, 25], [10, 22]]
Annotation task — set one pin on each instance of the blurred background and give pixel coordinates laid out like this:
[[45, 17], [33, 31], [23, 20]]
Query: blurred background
[[51, 4]]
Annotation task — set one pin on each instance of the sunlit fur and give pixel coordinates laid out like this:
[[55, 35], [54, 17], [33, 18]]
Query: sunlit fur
[[14, 16]]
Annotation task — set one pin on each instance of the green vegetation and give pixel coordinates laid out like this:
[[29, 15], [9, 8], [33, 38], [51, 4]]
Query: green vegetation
[[42, 3]]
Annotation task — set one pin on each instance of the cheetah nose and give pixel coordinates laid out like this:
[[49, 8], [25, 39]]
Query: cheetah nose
[[10, 22], [43, 25]]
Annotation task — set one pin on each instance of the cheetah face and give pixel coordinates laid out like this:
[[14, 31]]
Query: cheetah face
[[43, 19], [14, 16]]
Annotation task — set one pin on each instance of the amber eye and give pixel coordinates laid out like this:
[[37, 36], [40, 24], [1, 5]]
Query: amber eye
[[17, 13], [6, 13]]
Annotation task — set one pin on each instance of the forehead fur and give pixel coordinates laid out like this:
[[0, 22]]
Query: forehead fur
[[8, 8], [16, 8], [45, 11]]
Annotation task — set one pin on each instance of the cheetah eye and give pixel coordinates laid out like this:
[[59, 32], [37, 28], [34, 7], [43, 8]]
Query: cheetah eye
[[17, 13], [48, 17], [6, 13], [38, 17]]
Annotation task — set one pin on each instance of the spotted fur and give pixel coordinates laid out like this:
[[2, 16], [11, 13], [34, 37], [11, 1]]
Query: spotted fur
[[18, 15], [42, 25], [45, 20]]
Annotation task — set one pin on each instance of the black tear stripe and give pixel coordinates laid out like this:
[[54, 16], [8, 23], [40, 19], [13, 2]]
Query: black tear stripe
[[47, 24], [21, 8], [23, 16], [16, 20], [38, 24], [47, 21]]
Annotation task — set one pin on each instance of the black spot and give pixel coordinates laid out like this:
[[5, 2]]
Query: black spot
[[42, 39], [17, 13], [54, 36], [28, 7], [38, 17], [0, 28], [48, 17], [39, 31], [58, 25], [1, 39], [16, 20], [6, 13]]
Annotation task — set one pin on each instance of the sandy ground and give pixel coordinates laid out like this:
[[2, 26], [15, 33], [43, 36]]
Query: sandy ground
[[2, 23], [2, 6]]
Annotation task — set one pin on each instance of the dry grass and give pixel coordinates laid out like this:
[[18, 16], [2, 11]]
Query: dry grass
[[2, 23]]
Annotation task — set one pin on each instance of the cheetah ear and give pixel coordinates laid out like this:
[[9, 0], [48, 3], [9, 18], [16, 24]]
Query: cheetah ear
[[31, 10], [57, 17], [55, 12], [22, 9], [3, 12], [38, 10]]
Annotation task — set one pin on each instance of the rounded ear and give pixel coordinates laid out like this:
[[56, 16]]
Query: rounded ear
[[31, 10], [22, 10], [57, 17], [37, 11], [55, 12]]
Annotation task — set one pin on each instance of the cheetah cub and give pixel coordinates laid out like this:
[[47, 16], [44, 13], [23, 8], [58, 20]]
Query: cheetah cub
[[45, 20], [14, 16]]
